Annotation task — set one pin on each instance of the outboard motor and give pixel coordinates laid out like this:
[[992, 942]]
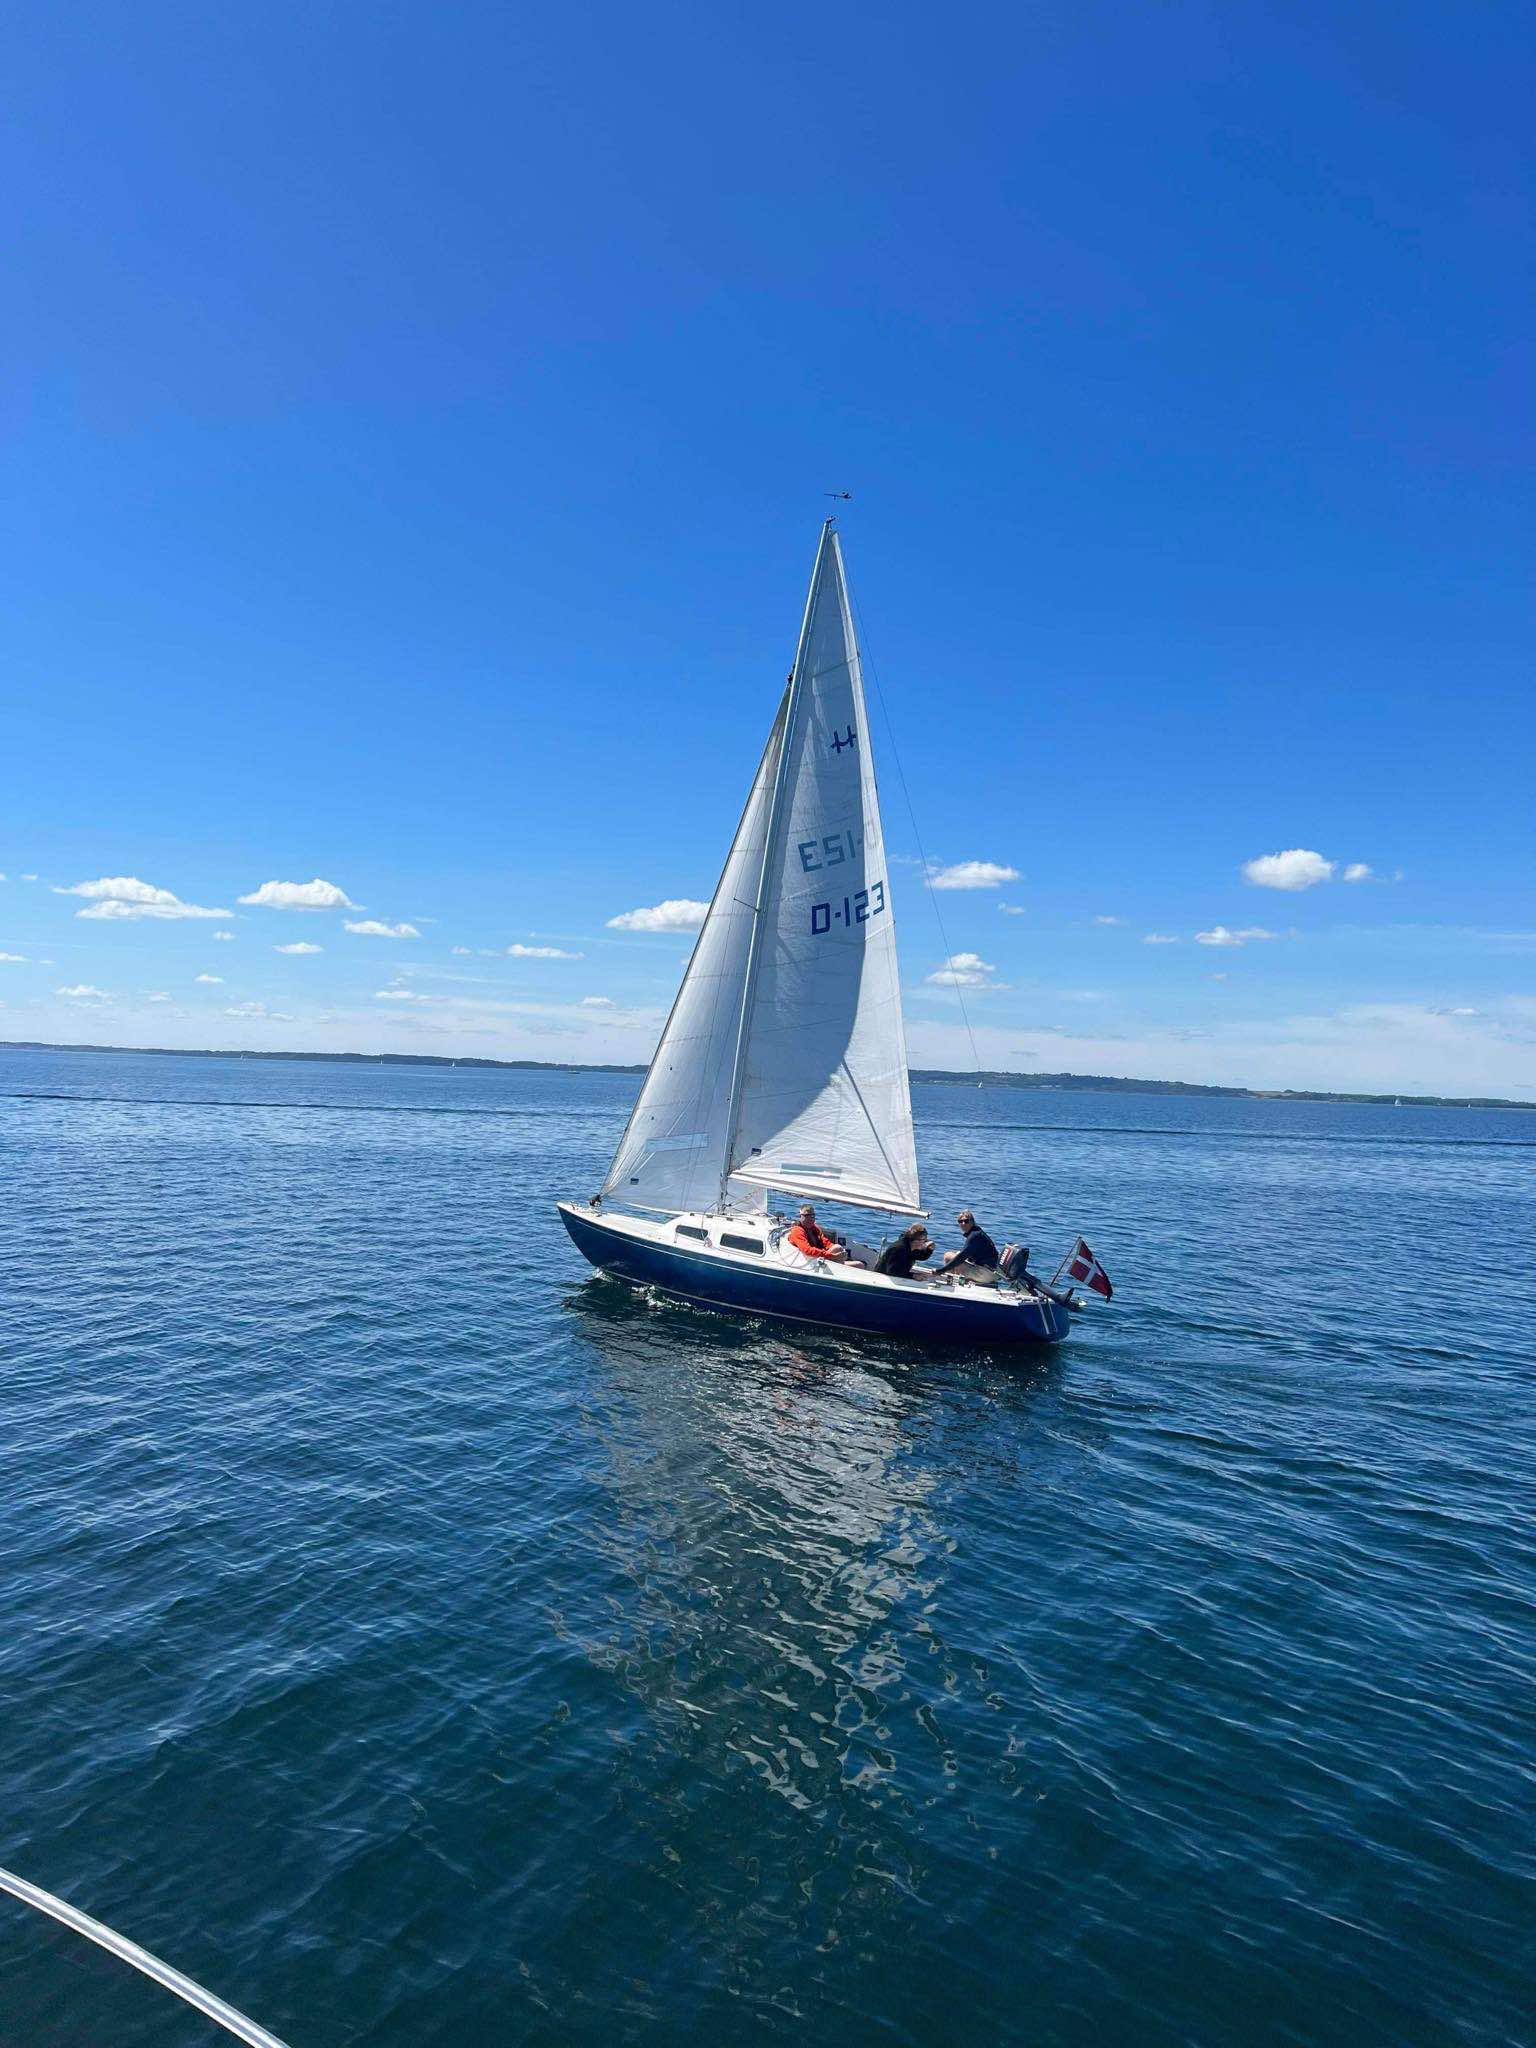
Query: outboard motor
[[1014, 1267]]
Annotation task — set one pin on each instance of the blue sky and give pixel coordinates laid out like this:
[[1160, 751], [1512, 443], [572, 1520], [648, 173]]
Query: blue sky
[[417, 422]]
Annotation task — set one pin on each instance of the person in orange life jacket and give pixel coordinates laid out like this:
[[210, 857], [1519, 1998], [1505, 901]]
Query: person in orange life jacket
[[808, 1236]]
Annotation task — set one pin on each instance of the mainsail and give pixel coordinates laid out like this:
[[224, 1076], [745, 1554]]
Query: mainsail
[[783, 1064]]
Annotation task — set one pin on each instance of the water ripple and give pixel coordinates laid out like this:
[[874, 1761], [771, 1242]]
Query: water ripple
[[423, 1641]]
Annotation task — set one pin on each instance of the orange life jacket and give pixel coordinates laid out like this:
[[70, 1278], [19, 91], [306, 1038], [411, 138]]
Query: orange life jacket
[[811, 1239]]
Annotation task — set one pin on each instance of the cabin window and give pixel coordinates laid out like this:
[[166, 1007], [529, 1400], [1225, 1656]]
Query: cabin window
[[693, 1230], [731, 1242]]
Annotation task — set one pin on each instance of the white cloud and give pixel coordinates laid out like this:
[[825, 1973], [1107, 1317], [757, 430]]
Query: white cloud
[[315, 895], [1358, 871], [114, 908], [597, 1002], [1297, 868], [228, 937], [128, 887], [1385, 1049], [299, 946], [677, 914], [1109, 920], [125, 896], [1011, 909], [465, 951], [211, 980], [459, 1020], [518, 952], [157, 995], [972, 874], [259, 1010], [14, 959], [1160, 939], [29, 878], [1219, 935], [964, 970], [1378, 1048], [82, 992], [400, 995], [371, 928]]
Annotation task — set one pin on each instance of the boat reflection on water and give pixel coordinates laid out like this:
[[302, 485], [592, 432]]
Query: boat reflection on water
[[796, 1431], [664, 1335], [787, 1644], [781, 1514]]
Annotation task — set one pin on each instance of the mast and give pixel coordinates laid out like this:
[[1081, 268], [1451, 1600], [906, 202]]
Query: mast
[[770, 844]]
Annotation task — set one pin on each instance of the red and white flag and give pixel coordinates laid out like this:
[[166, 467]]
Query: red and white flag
[[1085, 1269]]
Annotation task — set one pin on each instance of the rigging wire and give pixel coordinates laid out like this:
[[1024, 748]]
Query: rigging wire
[[119, 1945], [867, 659]]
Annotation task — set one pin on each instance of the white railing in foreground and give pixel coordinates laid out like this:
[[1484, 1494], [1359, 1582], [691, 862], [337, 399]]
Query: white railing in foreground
[[223, 2015]]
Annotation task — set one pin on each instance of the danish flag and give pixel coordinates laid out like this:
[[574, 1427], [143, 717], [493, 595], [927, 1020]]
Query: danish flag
[[1085, 1269]]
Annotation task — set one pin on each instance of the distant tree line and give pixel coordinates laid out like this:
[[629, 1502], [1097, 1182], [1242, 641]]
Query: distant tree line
[[993, 1077]]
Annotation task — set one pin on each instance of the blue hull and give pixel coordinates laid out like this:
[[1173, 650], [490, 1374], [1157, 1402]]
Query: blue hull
[[972, 1319]]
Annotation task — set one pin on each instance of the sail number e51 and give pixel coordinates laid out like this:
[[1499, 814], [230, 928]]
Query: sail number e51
[[831, 850], [858, 908]]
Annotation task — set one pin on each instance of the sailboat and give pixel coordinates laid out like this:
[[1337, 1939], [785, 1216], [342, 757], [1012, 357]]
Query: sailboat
[[783, 1065]]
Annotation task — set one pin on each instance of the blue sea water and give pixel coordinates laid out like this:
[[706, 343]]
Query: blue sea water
[[421, 1640]]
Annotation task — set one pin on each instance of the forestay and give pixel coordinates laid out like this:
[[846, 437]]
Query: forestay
[[822, 1102]]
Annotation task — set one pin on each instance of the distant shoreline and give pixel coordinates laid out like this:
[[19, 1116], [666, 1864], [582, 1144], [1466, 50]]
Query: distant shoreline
[[1101, 1084]]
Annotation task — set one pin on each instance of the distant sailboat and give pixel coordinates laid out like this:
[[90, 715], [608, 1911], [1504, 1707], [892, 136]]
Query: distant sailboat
[[783, 1064]]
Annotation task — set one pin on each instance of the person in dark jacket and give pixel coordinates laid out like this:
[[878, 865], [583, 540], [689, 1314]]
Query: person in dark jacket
[[976, 1259], [903, 1253]]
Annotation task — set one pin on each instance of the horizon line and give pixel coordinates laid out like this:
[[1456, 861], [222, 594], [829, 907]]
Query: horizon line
[[1006, 1077]]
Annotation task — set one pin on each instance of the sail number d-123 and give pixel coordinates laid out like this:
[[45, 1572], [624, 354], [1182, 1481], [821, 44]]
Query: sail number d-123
[[858, 908]]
